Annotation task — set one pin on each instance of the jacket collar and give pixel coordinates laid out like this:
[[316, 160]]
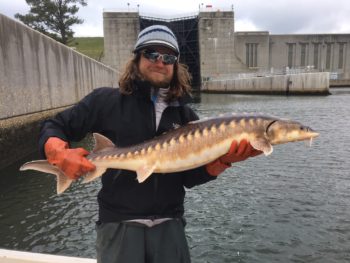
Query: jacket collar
[[143, 90]]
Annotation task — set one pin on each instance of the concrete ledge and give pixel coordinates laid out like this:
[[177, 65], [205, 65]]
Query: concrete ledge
[[274, 93], [19, 135], [292, 84], [12, 256], [339, 82], [39, 73]]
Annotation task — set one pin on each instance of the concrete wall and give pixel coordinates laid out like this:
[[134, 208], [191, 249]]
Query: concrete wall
[[307, 83], [38, 73], [216, 44], [120, 34], [38, 78]]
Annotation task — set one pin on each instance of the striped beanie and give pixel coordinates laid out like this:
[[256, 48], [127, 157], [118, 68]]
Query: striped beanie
[[157, 35]]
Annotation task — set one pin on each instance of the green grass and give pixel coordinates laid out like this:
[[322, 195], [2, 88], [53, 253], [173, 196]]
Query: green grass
[[89, 46]]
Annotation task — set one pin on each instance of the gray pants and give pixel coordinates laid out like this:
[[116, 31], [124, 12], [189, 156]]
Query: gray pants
[[134, 243]]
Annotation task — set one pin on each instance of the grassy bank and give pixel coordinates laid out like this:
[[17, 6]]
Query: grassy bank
[[89, 46]]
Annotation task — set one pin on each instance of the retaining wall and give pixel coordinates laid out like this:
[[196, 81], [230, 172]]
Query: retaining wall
[[37, 73], [39, 77]]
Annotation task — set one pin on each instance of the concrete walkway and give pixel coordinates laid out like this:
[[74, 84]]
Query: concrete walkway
[[12, 256]]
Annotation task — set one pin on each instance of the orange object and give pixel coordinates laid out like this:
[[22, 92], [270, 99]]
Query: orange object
[[236, 153], [71, 161]]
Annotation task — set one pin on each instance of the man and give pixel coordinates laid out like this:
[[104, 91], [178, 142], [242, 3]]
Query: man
[[138, 222]]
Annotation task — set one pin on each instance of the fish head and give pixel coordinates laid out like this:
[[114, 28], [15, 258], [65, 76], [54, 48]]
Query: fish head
[[283, 131]]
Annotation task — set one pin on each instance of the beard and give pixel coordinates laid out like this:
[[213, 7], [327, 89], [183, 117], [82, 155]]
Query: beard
[[158, 78], [160, 84]]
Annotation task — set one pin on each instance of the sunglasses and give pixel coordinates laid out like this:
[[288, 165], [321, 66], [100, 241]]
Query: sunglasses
[[153, 56]]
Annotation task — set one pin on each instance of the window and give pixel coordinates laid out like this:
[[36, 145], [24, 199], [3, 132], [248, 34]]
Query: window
[[316, 54], [328, 55], [291, 51], [341, 55], [251, 55], [303, 54]]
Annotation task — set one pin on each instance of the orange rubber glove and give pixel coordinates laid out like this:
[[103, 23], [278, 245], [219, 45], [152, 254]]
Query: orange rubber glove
[[71, 161], [237, 153]]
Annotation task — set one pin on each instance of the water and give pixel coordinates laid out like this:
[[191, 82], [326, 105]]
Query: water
[[292, 206]]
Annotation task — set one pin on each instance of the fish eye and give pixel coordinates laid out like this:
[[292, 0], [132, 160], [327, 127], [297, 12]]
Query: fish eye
[[306, 129]]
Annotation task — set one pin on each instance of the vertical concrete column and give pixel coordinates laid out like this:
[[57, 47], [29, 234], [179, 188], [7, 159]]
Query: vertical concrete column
[[346, 69], [120, 34], [216, 44]]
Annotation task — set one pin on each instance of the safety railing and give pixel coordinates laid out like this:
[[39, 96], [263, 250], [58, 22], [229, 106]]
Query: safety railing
[[261, 73]]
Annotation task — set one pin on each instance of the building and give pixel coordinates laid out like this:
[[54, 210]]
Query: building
[[212, 49], [320, 52]]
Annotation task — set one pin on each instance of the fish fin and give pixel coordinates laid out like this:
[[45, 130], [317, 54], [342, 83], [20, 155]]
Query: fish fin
[[40, 165], [63, 182], [144, 172], [102, 143], [94, 174], [263, 145]]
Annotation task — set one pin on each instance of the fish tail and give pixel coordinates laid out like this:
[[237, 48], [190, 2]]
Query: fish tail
[[63, 182]]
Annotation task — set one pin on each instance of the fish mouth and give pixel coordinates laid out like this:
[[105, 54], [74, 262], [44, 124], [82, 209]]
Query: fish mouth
[[311, 133], [314, 134]]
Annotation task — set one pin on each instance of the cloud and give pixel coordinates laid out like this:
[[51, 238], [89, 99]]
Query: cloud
[[245, 25], [298, 16], [11, 7], [275, 16]]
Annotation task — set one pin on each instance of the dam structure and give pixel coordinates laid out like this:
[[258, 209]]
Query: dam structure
[[205, 41], [222, 60]]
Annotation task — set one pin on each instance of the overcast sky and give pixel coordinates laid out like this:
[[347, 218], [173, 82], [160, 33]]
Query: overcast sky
[[275, 16]]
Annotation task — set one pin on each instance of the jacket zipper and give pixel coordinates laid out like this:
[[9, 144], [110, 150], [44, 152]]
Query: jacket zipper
[[155, 183]]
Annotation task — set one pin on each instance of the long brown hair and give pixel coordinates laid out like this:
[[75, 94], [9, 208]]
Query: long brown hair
[[179, 85]]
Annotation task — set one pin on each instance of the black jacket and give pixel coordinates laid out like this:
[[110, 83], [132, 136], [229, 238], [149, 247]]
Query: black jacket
[[128, 120]]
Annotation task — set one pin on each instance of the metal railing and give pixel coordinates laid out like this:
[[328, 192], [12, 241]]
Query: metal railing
[[261, 73], [169, 18]]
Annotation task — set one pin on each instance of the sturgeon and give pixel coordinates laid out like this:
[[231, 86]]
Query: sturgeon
[[186, 147]]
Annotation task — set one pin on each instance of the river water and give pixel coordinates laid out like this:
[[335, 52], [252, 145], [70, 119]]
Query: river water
[[291, 206]]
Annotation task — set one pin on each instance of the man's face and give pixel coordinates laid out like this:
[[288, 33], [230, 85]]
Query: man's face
[[156, 72]]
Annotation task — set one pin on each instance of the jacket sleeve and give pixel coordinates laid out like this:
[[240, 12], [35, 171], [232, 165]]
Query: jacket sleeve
[[198, 175], [72, 124]]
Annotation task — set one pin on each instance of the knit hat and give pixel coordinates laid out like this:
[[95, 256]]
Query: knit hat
[[157, 35]]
